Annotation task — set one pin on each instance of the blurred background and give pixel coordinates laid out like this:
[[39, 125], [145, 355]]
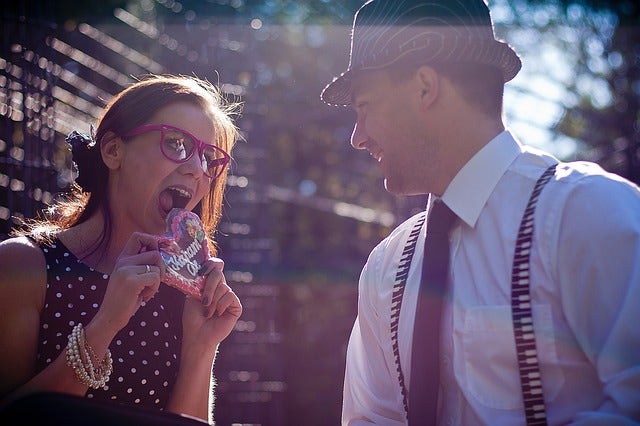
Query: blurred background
[[303, 209]]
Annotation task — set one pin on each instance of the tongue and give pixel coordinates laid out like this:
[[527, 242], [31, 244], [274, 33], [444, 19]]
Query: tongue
[[166, 201]]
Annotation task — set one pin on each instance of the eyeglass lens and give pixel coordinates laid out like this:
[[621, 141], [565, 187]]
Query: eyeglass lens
[[178, 146]]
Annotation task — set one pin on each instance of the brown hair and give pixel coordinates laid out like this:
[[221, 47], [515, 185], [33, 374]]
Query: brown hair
[[128, 109]]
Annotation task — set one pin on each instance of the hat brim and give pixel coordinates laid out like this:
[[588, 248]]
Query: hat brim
[[495, 53]]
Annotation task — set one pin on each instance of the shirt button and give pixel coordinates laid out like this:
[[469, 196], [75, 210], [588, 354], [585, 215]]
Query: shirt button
[[445, 361]]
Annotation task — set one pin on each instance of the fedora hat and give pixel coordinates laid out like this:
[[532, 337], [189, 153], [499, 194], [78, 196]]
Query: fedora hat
[[435, 31]]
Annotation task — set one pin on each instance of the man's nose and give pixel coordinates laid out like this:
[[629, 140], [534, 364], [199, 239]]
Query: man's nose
[[358, 136]]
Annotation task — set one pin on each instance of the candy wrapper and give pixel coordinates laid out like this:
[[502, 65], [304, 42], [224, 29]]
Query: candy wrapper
[[184, 250]]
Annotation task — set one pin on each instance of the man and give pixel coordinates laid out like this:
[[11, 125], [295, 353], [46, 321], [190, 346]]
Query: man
[[426, 80]]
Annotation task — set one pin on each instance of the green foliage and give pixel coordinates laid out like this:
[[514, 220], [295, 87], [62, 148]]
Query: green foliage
[[607, 60], [627, 11]]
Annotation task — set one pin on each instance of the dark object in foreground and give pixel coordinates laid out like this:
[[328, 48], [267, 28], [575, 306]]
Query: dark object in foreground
[[70, 410]]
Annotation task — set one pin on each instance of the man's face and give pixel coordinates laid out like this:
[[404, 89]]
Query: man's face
[[391, 126]]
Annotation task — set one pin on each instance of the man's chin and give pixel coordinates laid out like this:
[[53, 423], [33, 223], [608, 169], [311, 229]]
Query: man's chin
[[392, 188], [397, 188]]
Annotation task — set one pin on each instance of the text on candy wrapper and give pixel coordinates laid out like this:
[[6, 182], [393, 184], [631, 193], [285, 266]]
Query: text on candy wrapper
[[178, 261]]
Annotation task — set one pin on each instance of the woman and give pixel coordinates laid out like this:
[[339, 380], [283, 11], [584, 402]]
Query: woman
[[80, 290]]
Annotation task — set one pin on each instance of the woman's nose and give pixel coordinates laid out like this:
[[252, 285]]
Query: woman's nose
[[195, 165]]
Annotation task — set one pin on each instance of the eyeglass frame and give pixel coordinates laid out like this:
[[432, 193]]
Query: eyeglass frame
[[199, 145]]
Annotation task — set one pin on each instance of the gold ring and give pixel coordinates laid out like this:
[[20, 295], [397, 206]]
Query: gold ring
[[148, 269]]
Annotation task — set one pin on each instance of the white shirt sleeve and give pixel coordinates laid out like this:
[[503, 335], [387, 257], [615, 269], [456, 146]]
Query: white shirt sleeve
[[598, 272], [371, 389]]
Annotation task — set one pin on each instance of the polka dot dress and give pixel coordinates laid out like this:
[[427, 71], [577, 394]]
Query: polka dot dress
[[145, 353]]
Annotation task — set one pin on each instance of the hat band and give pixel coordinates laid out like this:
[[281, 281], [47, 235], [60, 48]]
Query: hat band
[[433, 48]]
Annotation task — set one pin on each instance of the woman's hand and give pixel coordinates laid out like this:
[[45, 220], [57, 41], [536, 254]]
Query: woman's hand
[[210, 321], [135, 279]]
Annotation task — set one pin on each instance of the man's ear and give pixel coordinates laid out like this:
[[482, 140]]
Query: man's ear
[[112, 150], [428, 84]]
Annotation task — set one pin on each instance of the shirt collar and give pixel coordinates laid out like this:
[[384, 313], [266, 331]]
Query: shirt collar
[[470, 189]]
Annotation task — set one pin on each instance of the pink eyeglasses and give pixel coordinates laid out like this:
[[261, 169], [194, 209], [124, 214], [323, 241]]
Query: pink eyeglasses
[[178, 145]]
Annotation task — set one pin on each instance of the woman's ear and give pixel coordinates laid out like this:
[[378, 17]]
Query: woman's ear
[[112, 150], [429, 85]]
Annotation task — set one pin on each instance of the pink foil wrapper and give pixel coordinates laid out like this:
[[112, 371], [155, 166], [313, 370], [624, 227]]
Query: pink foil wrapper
[[184, 250]]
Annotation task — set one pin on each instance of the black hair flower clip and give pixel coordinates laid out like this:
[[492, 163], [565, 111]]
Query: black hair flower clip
[[84, 158]]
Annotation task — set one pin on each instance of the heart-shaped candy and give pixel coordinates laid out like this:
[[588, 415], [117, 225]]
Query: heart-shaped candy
[[184, 250]]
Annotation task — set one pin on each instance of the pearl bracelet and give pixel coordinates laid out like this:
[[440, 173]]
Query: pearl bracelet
[[79, 358]]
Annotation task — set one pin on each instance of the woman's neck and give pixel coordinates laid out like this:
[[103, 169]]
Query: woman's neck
[[89, 243]]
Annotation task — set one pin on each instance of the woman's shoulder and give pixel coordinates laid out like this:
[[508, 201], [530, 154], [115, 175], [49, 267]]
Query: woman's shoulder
[[22, 267], [21, 247]]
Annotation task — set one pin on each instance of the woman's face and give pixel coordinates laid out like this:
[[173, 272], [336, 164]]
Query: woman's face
[[147, 185]]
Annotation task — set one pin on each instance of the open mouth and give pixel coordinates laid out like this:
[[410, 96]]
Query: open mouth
[[374, 149], [174, 198], [377, 155]]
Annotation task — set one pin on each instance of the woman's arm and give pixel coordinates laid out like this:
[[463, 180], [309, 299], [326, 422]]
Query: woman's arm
[[205, 324], [22, 292], [22, 289], [192, 393]]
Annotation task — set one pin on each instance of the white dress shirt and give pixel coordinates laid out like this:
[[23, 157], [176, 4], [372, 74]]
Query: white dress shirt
[[585, 286]]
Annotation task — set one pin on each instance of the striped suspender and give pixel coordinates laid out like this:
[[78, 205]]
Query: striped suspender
[[396, 301], [530, 378]]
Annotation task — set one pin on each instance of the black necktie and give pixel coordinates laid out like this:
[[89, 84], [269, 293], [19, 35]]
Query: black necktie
[[425, 371]]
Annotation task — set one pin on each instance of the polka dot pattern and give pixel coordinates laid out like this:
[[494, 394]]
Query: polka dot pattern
[[145, 353]]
